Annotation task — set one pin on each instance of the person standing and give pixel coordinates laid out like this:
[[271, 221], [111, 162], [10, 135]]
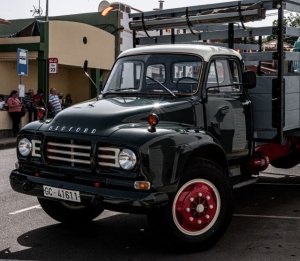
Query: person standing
[[29, 105], [14, 109], [54, 101]]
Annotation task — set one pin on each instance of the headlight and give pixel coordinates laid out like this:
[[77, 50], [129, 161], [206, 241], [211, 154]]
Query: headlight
[[24, 147], [127, 159]]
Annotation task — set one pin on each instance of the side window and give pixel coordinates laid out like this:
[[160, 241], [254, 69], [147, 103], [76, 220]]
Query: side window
[[156, 72], [223, 76], [131, 75], [187, 70]]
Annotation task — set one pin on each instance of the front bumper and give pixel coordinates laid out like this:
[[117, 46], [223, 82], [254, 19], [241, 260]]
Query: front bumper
[[112, 199]]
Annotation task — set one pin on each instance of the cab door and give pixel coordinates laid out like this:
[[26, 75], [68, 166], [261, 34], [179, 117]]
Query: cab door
[[228, 112]]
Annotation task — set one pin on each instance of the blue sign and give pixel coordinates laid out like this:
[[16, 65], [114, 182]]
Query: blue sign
[[22, 62]]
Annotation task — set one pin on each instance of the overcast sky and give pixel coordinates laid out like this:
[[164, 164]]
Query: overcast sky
[[15, 9]]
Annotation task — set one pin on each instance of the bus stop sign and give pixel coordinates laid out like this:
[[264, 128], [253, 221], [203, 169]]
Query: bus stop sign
[[22, 62]]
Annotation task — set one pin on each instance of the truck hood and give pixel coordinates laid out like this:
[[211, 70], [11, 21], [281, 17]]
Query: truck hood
[[106, 116]]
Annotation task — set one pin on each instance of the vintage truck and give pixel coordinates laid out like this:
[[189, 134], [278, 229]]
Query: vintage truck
[[176, 127]]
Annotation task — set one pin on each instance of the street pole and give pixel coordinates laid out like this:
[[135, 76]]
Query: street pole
[[47, 13]]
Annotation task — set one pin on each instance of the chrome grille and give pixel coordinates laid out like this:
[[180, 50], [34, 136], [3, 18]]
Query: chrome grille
[[69, 152], [108, 157]]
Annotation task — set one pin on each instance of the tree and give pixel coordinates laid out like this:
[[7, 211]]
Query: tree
[[293, 20]]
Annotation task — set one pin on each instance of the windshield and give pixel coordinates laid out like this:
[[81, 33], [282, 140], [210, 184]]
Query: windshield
[[168, 74]]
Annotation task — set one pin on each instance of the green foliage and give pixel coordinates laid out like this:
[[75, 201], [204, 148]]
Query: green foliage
[[293, 20]]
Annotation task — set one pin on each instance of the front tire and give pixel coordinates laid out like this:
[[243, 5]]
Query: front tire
[[199, 213], [68, 213]]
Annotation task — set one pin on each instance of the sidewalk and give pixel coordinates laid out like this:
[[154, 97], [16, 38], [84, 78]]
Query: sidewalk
[[7, 143]]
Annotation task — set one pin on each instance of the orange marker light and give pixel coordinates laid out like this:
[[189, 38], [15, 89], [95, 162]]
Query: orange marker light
[[107, 10], [153, 120], [41, 113], [142, 185]]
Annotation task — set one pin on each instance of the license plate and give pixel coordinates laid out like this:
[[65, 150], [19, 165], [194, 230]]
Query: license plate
[[70, 195]]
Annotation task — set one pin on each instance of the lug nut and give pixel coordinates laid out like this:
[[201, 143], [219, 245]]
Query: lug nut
[[191, 199], [199, 195], [199, 222], [208, 197], [191, 219], [188, 209], [211, 206], [207, 216]]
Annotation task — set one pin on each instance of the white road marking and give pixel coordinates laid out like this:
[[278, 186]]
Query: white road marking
[[24, 209], [266, 216], [277, 184]]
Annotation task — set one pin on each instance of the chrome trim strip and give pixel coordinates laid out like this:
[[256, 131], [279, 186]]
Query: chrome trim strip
[[70, 160], [69, 153], [69, 145]]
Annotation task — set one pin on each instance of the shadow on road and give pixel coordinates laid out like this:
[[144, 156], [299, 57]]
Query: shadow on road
[[115, 238]]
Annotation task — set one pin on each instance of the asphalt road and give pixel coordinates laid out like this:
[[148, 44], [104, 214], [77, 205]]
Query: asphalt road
[[265, 226]]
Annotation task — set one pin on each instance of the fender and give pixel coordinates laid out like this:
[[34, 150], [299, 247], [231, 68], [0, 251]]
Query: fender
[[168, 155]]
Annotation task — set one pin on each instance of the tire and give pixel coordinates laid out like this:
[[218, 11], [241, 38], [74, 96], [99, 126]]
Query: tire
[[69, 213], [200, 211]]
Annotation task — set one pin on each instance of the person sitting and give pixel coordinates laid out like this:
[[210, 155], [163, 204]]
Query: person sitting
[[2, 102]]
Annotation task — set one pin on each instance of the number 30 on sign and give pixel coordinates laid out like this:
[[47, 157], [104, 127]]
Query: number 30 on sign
[[53, 65]]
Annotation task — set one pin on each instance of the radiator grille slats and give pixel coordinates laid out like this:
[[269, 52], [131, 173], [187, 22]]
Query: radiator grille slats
[[108, 157], [76, 153], [69, 152]]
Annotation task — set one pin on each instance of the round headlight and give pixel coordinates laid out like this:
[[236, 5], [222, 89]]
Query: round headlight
[[127, 159], [24, 147]]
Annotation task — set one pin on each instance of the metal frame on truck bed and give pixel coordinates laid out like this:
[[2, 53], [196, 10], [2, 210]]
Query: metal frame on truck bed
[[276, 102]]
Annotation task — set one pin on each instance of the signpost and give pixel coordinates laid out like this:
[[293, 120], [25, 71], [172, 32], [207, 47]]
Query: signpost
[[22, 62], [22, 69], [53, 65]]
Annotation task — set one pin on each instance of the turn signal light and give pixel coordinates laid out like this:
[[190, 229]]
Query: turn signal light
[[106, 11], [153, 121], [142, 185], [41, 112]]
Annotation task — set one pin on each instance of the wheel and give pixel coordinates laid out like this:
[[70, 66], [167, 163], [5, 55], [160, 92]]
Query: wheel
[[200, 211], [69, 213]]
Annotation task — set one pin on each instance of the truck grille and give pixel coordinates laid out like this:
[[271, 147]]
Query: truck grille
[[108, 157], [76, 153], [72, 153]]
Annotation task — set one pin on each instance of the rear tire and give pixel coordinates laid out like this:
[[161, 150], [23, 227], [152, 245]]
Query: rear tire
[[69, 213], [200, 211]]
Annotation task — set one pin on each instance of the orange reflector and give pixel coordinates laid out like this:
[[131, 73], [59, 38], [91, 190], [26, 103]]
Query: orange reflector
[[106, 11], [142, 185], [41, 113], [153, 119]]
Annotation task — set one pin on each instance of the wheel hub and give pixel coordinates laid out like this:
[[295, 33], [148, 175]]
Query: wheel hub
[[196, 206]]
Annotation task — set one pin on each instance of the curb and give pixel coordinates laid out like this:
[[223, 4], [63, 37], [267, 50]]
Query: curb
[[7, 145]]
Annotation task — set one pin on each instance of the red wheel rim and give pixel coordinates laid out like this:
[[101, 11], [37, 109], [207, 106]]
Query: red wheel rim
[[196, 207]]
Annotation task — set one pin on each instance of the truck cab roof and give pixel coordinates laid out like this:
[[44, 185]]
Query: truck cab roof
[[205, 51]]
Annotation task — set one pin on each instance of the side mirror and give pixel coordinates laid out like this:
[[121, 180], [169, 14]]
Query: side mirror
[[85, 66], [249, 79]]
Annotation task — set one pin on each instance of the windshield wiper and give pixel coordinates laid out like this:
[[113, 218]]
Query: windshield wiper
[[125, 89], [160, 84]]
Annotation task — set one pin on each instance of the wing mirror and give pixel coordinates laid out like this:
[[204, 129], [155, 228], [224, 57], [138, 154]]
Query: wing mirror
[[249, 79]]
